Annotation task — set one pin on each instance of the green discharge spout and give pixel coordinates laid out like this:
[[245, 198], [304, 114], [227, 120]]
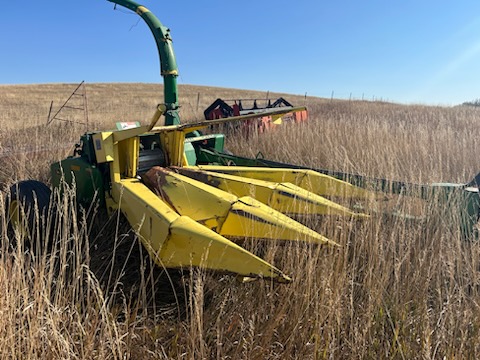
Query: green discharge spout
[[168, 63]]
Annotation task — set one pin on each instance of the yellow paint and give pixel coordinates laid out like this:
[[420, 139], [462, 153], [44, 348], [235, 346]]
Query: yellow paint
[[177, 228], [310, 180], [171, 72], [173, 143], [251, 218], [129, 150], [226, 213], [277, 119], [284, 197], [142, 10], [178, 241], [103, 144], [161, 108]]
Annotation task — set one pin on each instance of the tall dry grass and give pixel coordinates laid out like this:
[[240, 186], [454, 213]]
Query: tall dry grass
[[396, 288]]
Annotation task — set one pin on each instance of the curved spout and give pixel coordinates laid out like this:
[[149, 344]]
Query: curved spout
[[168, 63]]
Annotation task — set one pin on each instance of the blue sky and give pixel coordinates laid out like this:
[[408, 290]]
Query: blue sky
[[403, 51]]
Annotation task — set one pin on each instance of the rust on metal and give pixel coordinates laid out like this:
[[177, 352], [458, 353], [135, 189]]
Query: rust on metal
[[199, 175], [155, 178]]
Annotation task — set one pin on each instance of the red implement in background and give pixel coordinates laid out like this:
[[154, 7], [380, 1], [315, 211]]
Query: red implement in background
[[220, 109]]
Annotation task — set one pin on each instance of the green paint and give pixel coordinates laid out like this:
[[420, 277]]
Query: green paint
[[88, 179], [168, 63]]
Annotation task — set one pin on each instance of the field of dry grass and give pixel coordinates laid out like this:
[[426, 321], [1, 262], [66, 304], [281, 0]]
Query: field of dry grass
[[395, 288]]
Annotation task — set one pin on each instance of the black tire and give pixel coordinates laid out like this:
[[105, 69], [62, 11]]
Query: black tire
[[27, 208]]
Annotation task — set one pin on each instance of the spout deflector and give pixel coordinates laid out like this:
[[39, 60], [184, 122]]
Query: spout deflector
[[168, 62]]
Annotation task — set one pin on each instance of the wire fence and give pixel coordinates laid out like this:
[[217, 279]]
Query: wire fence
[[352, 96]]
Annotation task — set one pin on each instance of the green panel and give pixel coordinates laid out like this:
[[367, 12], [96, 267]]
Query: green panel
[[217, 142], [207, 156], [213, 143], [88, 179], [190, 154]]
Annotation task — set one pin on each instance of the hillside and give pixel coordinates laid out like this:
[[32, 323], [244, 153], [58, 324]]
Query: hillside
[[378, 138], [28, 105]]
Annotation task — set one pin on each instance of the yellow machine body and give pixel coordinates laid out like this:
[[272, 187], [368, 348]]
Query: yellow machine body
[[183, 221]]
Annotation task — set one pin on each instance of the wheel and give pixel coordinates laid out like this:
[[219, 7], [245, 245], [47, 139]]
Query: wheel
[[27, 206]]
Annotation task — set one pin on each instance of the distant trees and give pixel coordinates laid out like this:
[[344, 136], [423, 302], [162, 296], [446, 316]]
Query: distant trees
[[475, 102]]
